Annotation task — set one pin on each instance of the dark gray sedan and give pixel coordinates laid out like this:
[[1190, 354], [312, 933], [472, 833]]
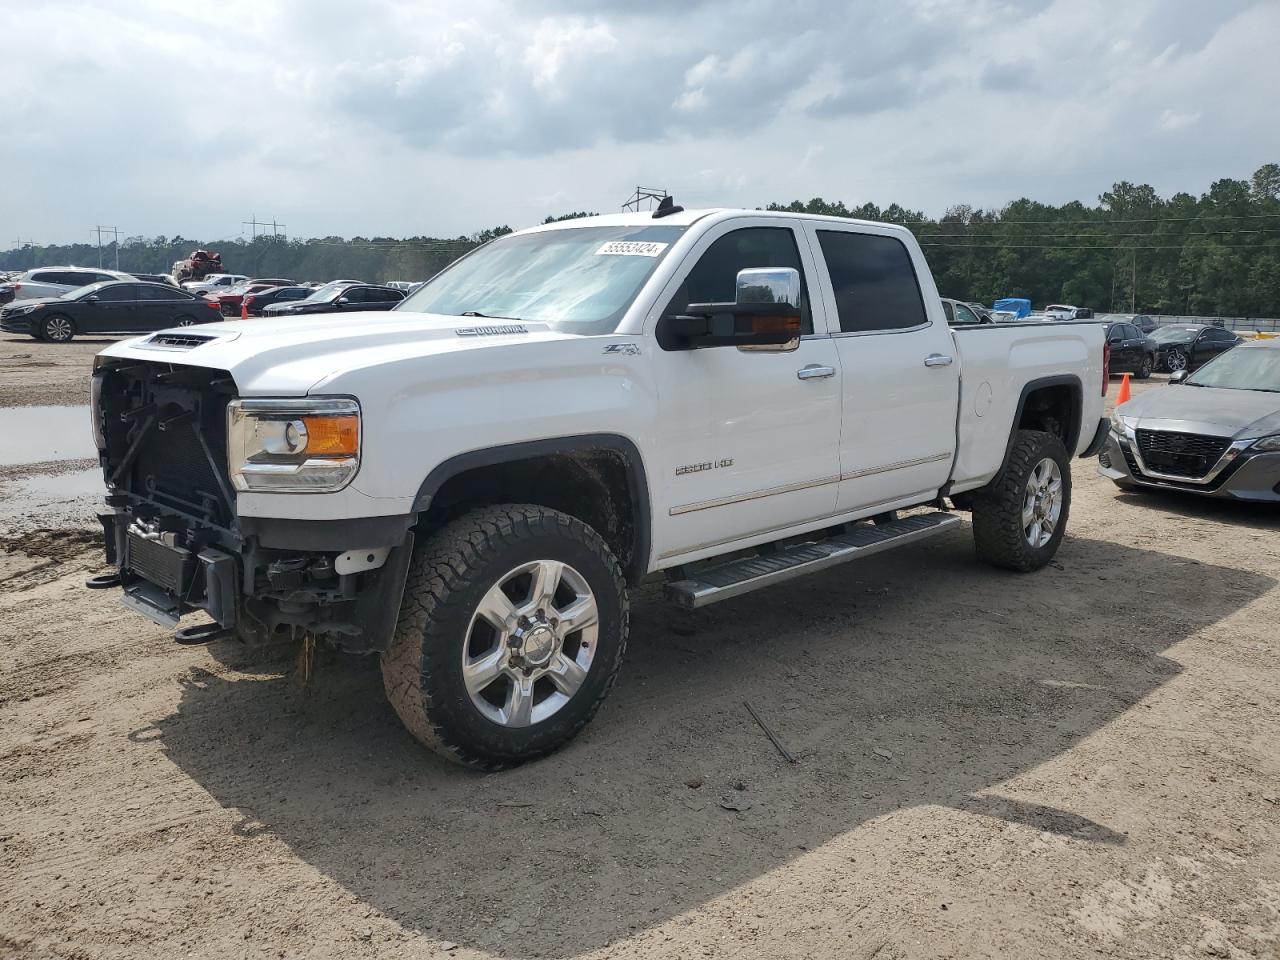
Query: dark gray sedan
[[1215, 432]]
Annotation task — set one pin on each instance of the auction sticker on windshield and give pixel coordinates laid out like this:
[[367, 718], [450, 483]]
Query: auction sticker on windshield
[[631, 248]]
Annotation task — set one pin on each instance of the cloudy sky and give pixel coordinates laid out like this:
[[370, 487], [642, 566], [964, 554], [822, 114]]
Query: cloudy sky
[[392, 117]]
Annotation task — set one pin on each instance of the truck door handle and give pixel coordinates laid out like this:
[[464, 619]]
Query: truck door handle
[[815, 371], [938, 360]]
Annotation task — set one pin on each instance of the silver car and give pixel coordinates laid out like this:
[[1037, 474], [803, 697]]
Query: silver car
[[1215, 432], [54, 282], [214, 283]]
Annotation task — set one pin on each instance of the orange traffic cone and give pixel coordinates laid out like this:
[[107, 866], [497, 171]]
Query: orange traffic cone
[[244, 315], [1123, 395]]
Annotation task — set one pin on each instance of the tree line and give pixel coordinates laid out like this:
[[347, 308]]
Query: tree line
[[1213, 255]]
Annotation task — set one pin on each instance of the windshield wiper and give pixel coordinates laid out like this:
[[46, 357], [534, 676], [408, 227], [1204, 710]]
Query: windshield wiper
[[486, 316]]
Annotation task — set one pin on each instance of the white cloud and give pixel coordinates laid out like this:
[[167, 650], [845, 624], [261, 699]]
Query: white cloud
[[398, 117]]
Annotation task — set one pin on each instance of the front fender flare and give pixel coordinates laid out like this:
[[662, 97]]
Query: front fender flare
[[635, 566]]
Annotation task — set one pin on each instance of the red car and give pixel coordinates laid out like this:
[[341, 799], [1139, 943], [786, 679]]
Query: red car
[[229, 302]]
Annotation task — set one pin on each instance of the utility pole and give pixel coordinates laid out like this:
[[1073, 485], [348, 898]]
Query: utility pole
[[642, 194], [115, 239], [1133, 296], [253, 223]]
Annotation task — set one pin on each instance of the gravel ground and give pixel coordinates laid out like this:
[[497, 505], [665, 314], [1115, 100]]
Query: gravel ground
[[1074, 763]]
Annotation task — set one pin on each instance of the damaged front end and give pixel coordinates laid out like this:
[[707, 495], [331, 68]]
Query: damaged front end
[[172, 531]]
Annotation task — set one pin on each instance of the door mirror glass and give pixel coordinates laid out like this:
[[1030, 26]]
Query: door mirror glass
[[768, 285], [765, 313], [1177, 377]]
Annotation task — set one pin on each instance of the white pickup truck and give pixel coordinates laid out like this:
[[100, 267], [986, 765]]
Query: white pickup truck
[[469, 484]]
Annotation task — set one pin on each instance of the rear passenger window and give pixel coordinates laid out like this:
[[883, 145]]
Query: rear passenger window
[[155, 292], [48, 277], [118, 294], [874, 281], [714, 278], [965, 317]]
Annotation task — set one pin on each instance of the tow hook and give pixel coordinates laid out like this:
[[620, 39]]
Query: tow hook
[[200, 633]]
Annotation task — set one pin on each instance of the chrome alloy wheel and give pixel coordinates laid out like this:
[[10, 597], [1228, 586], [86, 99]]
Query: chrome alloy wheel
[[530, 643], [1042, 503], [1175, 360], [58, 329]]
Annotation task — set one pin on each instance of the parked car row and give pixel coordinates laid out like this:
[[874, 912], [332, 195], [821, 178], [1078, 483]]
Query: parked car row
[[53, 282], [129, 306], [114, 306]]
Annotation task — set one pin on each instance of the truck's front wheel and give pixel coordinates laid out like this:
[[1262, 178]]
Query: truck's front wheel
[[1019, 521], [511, 633]]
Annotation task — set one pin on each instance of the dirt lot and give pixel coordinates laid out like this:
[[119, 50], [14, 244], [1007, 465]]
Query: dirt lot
[[33, 373], [1080, 762]]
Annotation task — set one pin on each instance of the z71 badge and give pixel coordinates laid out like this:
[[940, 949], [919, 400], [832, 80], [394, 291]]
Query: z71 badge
[[626, 349], [700, 467]]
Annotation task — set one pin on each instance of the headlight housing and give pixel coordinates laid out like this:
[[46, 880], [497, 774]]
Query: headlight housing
[[1267, 444], [1118, 423], [310, 445]]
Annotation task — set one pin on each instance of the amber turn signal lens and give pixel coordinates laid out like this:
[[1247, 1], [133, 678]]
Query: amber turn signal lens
[[332, 436], [776, 324]]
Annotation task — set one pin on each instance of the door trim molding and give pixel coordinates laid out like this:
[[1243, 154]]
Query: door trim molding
[[755, 495], [900, 465]]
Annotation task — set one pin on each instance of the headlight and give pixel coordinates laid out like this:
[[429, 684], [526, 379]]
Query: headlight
[[1119, 424], [29, 308], [1267, 443], [293, 446]]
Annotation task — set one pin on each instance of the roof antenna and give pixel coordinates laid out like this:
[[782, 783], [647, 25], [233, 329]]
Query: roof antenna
[[666, 207]]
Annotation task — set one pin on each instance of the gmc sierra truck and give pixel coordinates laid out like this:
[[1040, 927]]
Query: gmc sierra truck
[[468, 485]]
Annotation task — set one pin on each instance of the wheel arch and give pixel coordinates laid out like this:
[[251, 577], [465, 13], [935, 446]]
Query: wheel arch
[[562, 473], [1058, 398]]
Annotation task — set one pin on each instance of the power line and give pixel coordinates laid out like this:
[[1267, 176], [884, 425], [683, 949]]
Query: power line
[[254, 223], [1104, 221], [1269, 231], [1058, 246]]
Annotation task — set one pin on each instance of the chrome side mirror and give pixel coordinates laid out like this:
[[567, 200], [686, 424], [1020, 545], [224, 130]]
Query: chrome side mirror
[[1177, 377], [768, 285]]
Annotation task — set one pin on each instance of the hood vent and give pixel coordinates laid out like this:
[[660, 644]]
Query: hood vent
[[179, 341]]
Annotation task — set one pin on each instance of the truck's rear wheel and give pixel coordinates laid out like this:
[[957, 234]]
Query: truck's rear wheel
[[1019, 521], [511, 633]]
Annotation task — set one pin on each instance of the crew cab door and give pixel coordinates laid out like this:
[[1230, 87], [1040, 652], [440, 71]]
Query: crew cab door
[[900, 382], [747, 438]]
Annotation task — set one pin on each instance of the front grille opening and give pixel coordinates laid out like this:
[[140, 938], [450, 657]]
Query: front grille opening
[[166, 437], [1190, 455]]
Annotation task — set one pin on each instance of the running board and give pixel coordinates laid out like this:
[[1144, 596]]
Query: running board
[[737, 577]]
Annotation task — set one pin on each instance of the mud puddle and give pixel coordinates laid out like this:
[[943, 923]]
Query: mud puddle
[[40, 434], [47, 500]]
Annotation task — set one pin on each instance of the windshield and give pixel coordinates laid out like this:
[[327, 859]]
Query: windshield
[[1244, 368], [79, 292], [326, 293], [577, 279], [1171, 334]]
